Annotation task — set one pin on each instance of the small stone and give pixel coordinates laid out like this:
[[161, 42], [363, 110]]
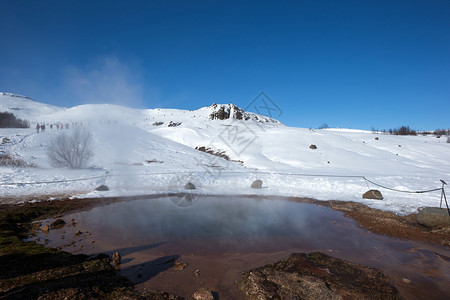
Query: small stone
[[45, 229], [78, 233], [203, 294], [313, 147], [406, 280], [197, 273], [257, 184], [116, 258]]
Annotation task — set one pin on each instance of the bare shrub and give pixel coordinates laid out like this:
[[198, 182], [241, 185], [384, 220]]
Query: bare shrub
[[8, 160], [72, 150], [9, 120]]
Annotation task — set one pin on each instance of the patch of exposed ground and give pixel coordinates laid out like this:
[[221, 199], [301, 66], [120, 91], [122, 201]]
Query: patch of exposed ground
[[388, 223]]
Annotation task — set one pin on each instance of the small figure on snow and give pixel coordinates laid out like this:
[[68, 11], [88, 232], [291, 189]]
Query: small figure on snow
[[37, 128]]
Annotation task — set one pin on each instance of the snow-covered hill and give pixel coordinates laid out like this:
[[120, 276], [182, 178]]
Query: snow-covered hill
[[24, 107], [153, 150]]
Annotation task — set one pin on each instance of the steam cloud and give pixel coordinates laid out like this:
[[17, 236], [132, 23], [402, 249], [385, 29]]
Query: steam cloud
[[107, 80]]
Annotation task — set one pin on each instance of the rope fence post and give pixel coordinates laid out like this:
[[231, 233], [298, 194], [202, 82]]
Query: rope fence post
[[443, 196]]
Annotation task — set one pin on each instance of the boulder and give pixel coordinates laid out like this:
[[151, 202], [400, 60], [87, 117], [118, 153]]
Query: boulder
[[189, 186], [315, 276], [257, 184], [433, 217], [102, 188], [203, 294], [373, 194]]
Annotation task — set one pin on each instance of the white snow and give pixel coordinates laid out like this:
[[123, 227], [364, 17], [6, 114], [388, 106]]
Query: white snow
[[136, 152]]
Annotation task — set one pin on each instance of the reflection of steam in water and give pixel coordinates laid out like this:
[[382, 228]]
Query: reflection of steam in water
[[241, 228], [228, 222]]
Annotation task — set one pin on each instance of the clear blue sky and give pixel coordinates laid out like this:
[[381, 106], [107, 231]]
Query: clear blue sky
[[354, 64]]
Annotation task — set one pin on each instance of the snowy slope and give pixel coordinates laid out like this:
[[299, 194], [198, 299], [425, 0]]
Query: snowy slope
[[24, 107], [153, 150]]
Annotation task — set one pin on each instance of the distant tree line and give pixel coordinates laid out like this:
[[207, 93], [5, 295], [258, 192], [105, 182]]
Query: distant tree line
[[8, 120], [405, 130]]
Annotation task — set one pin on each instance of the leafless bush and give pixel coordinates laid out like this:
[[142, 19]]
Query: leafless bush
[[12, 161], [72, 150]]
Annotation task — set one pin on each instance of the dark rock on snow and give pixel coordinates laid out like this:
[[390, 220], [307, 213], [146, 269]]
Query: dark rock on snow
[[257, 184], [189, 186], [313, 147], [373, 194], [433, 217], [102, 188], [316, 276]]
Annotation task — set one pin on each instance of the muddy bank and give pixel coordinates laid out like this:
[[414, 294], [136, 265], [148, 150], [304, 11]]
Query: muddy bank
[[388, 223]]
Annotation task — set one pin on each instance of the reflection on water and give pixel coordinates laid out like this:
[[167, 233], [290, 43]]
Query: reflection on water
[[224, 227]]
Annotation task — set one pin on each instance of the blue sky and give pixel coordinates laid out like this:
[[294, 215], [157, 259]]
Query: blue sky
[[354, 64]]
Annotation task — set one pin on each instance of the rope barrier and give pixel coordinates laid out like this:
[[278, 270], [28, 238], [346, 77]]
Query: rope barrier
[[54, 181], [401, 191], [229, 172]]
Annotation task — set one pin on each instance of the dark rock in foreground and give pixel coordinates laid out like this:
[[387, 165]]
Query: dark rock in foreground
[[57, 224], [316, 276], [373, 194], [433, 217], [203, 294]]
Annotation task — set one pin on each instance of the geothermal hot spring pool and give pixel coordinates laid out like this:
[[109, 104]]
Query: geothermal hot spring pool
[[219, 237]]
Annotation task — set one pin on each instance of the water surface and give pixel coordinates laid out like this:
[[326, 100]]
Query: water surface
[[223, 236]]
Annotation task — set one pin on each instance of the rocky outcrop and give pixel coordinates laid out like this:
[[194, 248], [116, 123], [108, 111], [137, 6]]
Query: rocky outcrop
[[433, 217], [373, 194], [316, 276], [219, 153], [229, 111]]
